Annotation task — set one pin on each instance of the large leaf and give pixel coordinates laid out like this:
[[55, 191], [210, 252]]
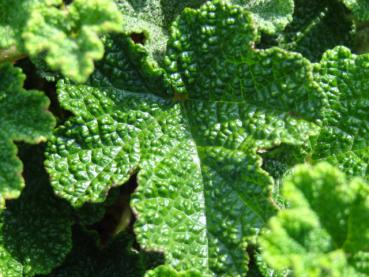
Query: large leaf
[[201, 190], [23, 118], [324, 231]]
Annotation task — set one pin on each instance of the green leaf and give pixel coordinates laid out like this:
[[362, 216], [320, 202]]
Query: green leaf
[[13, 19], [201, 190], [71, 33], [49, 27], [316, 27], [35, 229], [165, 271], [324, 232], [359, 8], [23, 118], [122, 68], [151, 19], [270, 16], [343, 139], [116, 259]]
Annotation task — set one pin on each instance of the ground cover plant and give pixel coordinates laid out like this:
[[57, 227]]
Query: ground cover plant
[[184, 138]]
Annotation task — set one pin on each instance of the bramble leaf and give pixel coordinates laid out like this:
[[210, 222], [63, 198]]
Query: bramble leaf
[[324, 231], [23, 118], [201, 190]]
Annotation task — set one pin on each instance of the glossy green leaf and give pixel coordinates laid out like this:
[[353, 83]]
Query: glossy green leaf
[[202, 192], [343, 138], [23, 118], [324, 231], [150, 20]]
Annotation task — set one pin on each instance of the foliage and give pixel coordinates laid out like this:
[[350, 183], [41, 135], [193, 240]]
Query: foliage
[[324, 231], [175, 154]]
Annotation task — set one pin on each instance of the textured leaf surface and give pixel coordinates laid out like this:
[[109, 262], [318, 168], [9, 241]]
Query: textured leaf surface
[[71, 33], [153, 18], [343, 140], [325, 229], [35, 229], [23, 118], [270, 16], [202, 192], [56, 30], [122, 68], [166, 271]]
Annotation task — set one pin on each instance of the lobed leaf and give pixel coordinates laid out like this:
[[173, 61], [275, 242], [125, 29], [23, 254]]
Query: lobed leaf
[[202, 193], [324, 231], [23, 118], [57, 30]]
